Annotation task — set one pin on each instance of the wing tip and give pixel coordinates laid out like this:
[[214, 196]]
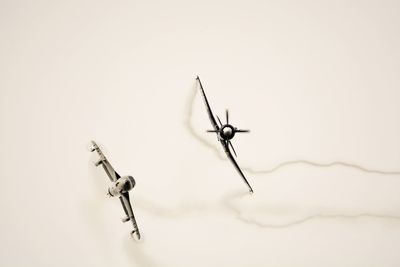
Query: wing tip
[[92, 146], [137, 234]]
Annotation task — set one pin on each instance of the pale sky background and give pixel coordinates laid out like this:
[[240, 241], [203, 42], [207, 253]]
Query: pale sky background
[[315, 81]]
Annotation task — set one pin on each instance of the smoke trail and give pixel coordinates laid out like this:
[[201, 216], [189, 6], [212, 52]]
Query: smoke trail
[[216, 150], [227, 201]]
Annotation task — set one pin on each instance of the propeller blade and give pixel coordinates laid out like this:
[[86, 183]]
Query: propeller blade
[[219, 121], [242, 131], [227, 116], [212, 131], [232, 148]]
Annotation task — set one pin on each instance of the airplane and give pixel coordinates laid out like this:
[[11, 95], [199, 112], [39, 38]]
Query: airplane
[[225, 132], [120, 187]]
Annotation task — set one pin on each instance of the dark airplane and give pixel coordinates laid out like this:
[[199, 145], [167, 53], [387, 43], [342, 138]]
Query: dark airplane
[[120, 187], [225, 132]]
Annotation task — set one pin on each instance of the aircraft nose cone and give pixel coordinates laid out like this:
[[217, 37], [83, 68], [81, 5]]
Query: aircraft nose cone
[[227, 132], [127, 185]]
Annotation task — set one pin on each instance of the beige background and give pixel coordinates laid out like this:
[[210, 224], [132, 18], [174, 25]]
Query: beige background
[[317, 82]]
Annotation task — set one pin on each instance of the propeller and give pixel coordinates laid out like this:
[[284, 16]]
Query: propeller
[[235, 129], [227, 122]]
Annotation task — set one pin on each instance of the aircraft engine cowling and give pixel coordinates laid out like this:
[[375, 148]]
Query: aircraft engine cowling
[[122, 185]]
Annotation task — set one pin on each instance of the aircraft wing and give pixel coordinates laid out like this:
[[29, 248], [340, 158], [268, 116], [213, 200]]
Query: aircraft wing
[[225, 145], [112, 174], [126, 204], [209, 111]]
